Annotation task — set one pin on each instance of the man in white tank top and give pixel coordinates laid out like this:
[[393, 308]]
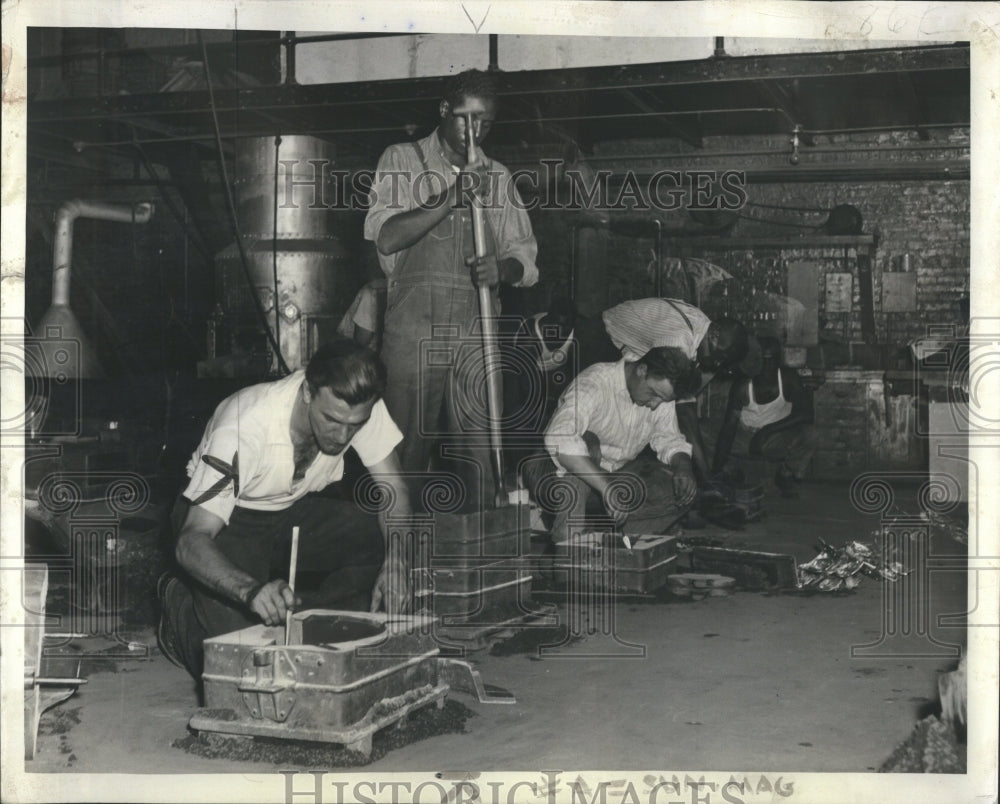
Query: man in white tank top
[[769, 416]]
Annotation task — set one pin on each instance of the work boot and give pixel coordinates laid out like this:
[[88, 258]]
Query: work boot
[[165, 636], [786, 484], [692, 520]]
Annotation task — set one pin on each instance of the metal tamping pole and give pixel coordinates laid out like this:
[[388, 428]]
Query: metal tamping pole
[[291, 579], [491, 348]]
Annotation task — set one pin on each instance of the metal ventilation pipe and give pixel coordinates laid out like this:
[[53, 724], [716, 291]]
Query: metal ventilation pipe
[[59, 325]]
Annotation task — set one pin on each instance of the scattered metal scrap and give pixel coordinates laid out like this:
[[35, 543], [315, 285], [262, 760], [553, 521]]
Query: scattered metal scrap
[[837, 569]]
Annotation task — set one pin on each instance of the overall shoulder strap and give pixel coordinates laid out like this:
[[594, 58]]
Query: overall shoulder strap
[[420, 155], [687, 320]]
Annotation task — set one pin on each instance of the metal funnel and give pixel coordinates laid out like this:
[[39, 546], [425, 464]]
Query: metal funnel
[[65, 348]]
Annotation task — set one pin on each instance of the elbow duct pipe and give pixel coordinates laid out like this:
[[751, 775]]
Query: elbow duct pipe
[[62, 253], [59, 325]]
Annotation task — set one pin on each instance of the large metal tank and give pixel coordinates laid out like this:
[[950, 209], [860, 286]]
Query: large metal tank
[[296, 260]]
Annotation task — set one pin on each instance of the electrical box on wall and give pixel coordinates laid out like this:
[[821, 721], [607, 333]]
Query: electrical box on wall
[[839, 289], [899, 292]]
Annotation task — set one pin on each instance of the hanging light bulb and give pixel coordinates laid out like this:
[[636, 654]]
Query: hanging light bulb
[[794, 141]]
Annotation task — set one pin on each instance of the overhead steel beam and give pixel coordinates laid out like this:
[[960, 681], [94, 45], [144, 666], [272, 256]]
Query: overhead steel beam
[[525, 83], [195, 50]]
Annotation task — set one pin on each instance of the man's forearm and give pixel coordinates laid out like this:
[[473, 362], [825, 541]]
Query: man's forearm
[[584, 467], [681, 462], [398, 517], [198, 554], [407, 228], [687, 421], [685, 485]]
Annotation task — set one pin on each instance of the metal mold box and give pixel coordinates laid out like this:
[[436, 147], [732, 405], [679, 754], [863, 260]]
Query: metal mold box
[[310, 687], [602, 559], [486, 535], [466, 590]]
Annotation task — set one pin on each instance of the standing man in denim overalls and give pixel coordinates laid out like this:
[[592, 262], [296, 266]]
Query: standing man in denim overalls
[[420, 220]]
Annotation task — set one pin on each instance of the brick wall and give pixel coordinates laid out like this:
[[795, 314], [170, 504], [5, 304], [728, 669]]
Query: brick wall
[[927, 219]]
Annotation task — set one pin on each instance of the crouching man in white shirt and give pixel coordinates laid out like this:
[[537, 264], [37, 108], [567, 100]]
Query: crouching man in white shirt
[[605, 419], [266, 453]]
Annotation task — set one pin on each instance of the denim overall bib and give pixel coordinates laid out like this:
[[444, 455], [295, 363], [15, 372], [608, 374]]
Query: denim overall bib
[[432, 349]]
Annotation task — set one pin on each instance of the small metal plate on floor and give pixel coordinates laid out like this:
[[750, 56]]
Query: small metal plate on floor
[[478, 635]]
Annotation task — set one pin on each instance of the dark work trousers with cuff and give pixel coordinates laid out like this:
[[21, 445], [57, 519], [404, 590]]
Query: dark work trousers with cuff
[[569, 499], [335, 539]]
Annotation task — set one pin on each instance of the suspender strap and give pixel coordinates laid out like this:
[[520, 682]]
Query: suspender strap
[[420, 155], [687, 320]]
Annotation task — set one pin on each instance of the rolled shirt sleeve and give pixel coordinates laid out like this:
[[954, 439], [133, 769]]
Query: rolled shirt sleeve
[[564, 434], [666, 439], [392, 193], [209, 487], [512, 225], [400, 179], [378, 438]]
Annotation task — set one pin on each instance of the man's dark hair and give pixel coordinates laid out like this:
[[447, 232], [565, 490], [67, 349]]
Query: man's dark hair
[[668, 362], [732, 339], [471, 83], [352, 372]]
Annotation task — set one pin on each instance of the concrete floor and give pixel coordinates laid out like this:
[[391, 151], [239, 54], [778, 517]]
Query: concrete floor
[[739, 683]]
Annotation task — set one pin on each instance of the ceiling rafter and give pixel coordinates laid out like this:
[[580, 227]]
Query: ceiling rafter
[[688, 133]]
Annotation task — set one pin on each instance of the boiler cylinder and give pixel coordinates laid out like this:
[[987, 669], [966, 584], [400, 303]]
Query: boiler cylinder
[[292, 240]]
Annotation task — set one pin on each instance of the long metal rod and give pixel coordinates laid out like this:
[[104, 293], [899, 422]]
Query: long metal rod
[[491, 350], [292, 564], [819, 149], [658, 282], [258, 132]]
